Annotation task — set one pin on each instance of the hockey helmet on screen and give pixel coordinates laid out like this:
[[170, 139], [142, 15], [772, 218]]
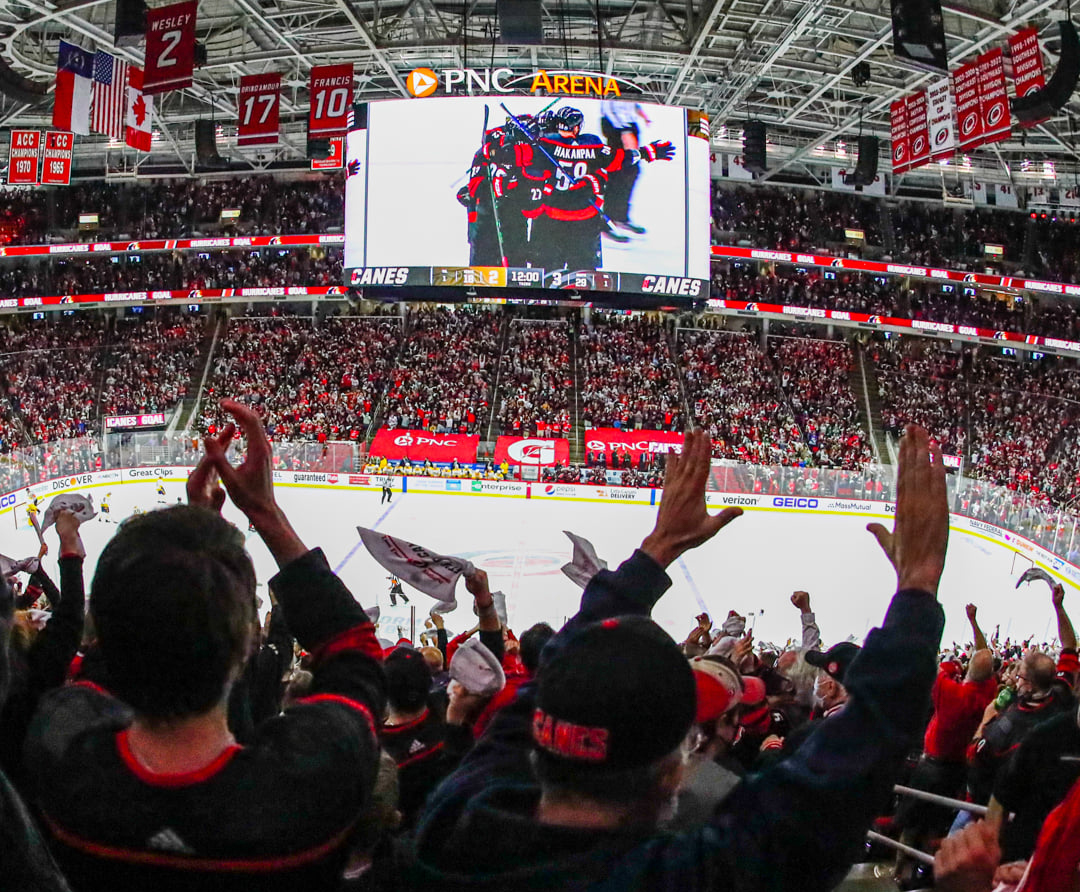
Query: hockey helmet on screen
[[545, 122], [524, 127], [567, 119]]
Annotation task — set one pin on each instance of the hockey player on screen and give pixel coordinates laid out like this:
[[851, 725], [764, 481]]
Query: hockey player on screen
[[620, 128]]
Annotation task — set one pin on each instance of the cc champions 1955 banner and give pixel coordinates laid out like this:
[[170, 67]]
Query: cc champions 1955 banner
[[526, 191]]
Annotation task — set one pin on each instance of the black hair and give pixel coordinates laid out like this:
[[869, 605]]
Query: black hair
[[173, 601], [531, 643]]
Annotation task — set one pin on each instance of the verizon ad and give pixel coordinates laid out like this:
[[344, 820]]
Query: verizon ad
[[420, 446], [609, 439], [536, 451]]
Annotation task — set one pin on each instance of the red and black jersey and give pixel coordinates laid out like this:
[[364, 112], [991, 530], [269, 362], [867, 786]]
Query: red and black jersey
[[275, 814], [575, 191], [418, 748]]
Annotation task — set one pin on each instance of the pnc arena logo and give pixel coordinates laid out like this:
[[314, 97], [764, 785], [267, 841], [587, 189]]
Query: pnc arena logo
[[409, 440], [422, 82], [532, 452]]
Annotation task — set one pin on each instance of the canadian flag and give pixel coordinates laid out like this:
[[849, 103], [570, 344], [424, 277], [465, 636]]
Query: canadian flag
[[140, 108]]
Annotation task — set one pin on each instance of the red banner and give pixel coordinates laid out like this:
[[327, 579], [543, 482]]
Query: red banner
[[258, 108], [419, 446], [23, 157], [331, 89], [918, 129], [993, 97], [335, 159], [56, 167], [534, 451], [1027, 66], [901, 146], [610, 439], [170, 47], [966, 93]]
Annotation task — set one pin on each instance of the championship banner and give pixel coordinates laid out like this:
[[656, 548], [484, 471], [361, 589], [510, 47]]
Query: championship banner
[[993, 97], [258, 108], [1027, 65], [420, 446], [331, 90], [901, 146], [609, 439], [170, 47], [918, 129], [966, 92], [23, 161], [335, 160], [942, 121], [533, 451], [56, 165]]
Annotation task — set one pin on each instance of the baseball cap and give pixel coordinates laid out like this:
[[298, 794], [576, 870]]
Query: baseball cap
[[754, 713], [836, 660], [616, 694], [408, 678], [718, 688]]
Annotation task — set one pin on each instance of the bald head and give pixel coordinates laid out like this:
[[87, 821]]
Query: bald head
[[981, 666], [1036, 675]]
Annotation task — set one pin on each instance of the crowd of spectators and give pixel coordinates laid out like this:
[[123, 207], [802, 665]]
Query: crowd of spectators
[[815, 376], [942, 236], [628, 377], [734, 395], [536, 380], [824, 289], [309, 380], [445, 379]]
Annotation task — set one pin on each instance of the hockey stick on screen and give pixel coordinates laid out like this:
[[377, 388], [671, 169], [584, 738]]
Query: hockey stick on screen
[[595, 205], [491, 188]]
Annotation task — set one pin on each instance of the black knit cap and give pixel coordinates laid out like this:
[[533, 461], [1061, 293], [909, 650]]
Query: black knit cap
[[408, 678], [616, 694]]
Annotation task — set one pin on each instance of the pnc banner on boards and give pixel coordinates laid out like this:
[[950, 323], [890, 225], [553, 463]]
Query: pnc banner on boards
[[533, 451], [420, 446]]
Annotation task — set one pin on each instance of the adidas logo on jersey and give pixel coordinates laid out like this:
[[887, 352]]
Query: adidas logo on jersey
[[168, 840], [416, 747]]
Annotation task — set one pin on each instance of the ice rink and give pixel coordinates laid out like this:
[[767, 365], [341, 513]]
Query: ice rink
[[752, 566]]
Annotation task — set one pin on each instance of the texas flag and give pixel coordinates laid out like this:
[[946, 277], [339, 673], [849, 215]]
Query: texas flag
[[74, 94], [140, 108]]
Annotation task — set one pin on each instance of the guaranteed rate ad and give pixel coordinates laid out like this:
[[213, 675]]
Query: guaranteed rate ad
[[527, 192]]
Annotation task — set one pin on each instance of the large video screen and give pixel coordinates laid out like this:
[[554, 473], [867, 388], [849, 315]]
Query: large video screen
[[527, 192]]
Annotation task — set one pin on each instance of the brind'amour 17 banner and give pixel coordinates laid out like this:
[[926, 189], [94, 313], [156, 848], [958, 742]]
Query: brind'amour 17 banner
[[420, 446], [901, 145], [966, 90], [534, 451], [610, 439], [331, 90], [993, 97], [257, 109], [170, 47]]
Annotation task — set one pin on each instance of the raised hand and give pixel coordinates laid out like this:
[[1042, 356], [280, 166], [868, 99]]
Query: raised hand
[[683, 522], [204, 484], [802, 601], [971, 611], [916, 546]]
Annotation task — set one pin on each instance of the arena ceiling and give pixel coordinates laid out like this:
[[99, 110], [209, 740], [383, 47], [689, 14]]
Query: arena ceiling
[[786, 62]]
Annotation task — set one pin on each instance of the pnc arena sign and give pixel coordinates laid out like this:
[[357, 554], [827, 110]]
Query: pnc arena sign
[[424, 82]]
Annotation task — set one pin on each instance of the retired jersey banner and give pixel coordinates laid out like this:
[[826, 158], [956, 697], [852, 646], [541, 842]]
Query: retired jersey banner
[[258, 108], [993, 97], [421, 446], [940, 113], [966, 93], [170, 47], [610, 439], [1027, 65], [56, 163], [331, 89], [534, 451], [24, 162], [901, 147], [918, 129]]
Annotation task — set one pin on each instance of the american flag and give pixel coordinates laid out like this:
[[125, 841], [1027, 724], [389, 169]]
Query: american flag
[[110, 95]]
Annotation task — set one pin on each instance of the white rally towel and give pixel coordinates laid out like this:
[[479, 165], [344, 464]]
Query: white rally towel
[[433, 574], [9, 567], [584, 564], [499, 600], [81, 506], [475, 668]]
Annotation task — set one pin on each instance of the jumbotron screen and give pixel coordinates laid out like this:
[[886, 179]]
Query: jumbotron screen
[[528, 192]]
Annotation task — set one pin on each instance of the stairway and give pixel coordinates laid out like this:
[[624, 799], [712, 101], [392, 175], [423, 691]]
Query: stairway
[[1031, 238], [577, 437], [200, 372], [864, 383], [491, 433]]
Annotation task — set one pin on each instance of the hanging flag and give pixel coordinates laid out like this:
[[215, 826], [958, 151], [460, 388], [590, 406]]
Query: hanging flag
[[24, 158], [918, 129], [331, 90], [1027, 66], [110, 95], [258, 110], [170, 47], [993, 97], [140, 109], [966, 90], [74, 74], [901, 146], [942, 121], [56, 163]]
